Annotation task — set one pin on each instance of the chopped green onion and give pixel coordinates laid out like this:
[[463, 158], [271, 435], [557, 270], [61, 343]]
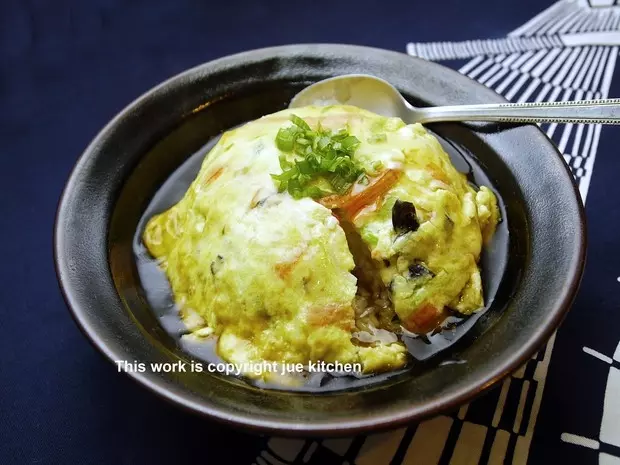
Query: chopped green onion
[[300, 123], [294, 186], [317, 153], [315, 192], [284, 163], [377, 166], [350, 143], [341, 134], [335, 164], [285, 176], [322, 143], [285, 140], [304, 167], [304, 178], [340, 184]]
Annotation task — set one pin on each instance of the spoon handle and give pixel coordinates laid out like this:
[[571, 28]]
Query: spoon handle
[[603, 111]]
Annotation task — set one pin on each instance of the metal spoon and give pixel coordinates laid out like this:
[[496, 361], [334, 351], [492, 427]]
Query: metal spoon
[[378, 96]]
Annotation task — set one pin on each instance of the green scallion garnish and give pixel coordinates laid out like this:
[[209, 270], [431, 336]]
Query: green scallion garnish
[[317, 154]]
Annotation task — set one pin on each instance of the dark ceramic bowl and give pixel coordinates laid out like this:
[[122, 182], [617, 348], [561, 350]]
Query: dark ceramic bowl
[[118, 174]]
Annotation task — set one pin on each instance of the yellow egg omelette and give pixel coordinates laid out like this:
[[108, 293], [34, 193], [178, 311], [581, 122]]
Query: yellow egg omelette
[[324, 234]]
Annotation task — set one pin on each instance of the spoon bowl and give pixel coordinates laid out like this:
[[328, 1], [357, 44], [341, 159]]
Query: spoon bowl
[[379, 96], [361, 90]]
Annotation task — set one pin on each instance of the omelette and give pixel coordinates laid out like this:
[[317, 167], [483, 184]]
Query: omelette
[[324, 234]]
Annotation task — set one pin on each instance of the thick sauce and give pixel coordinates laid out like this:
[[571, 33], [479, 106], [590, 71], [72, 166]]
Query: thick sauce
[[424, 350]]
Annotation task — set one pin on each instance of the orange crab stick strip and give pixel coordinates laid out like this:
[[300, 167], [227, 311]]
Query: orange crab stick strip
[[351, 204]]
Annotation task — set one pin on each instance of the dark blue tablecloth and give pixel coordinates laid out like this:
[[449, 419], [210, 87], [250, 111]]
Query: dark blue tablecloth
[[68, 66]]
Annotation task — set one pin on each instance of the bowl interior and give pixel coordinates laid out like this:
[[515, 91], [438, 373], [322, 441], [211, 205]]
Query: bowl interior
[[135, 155]]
